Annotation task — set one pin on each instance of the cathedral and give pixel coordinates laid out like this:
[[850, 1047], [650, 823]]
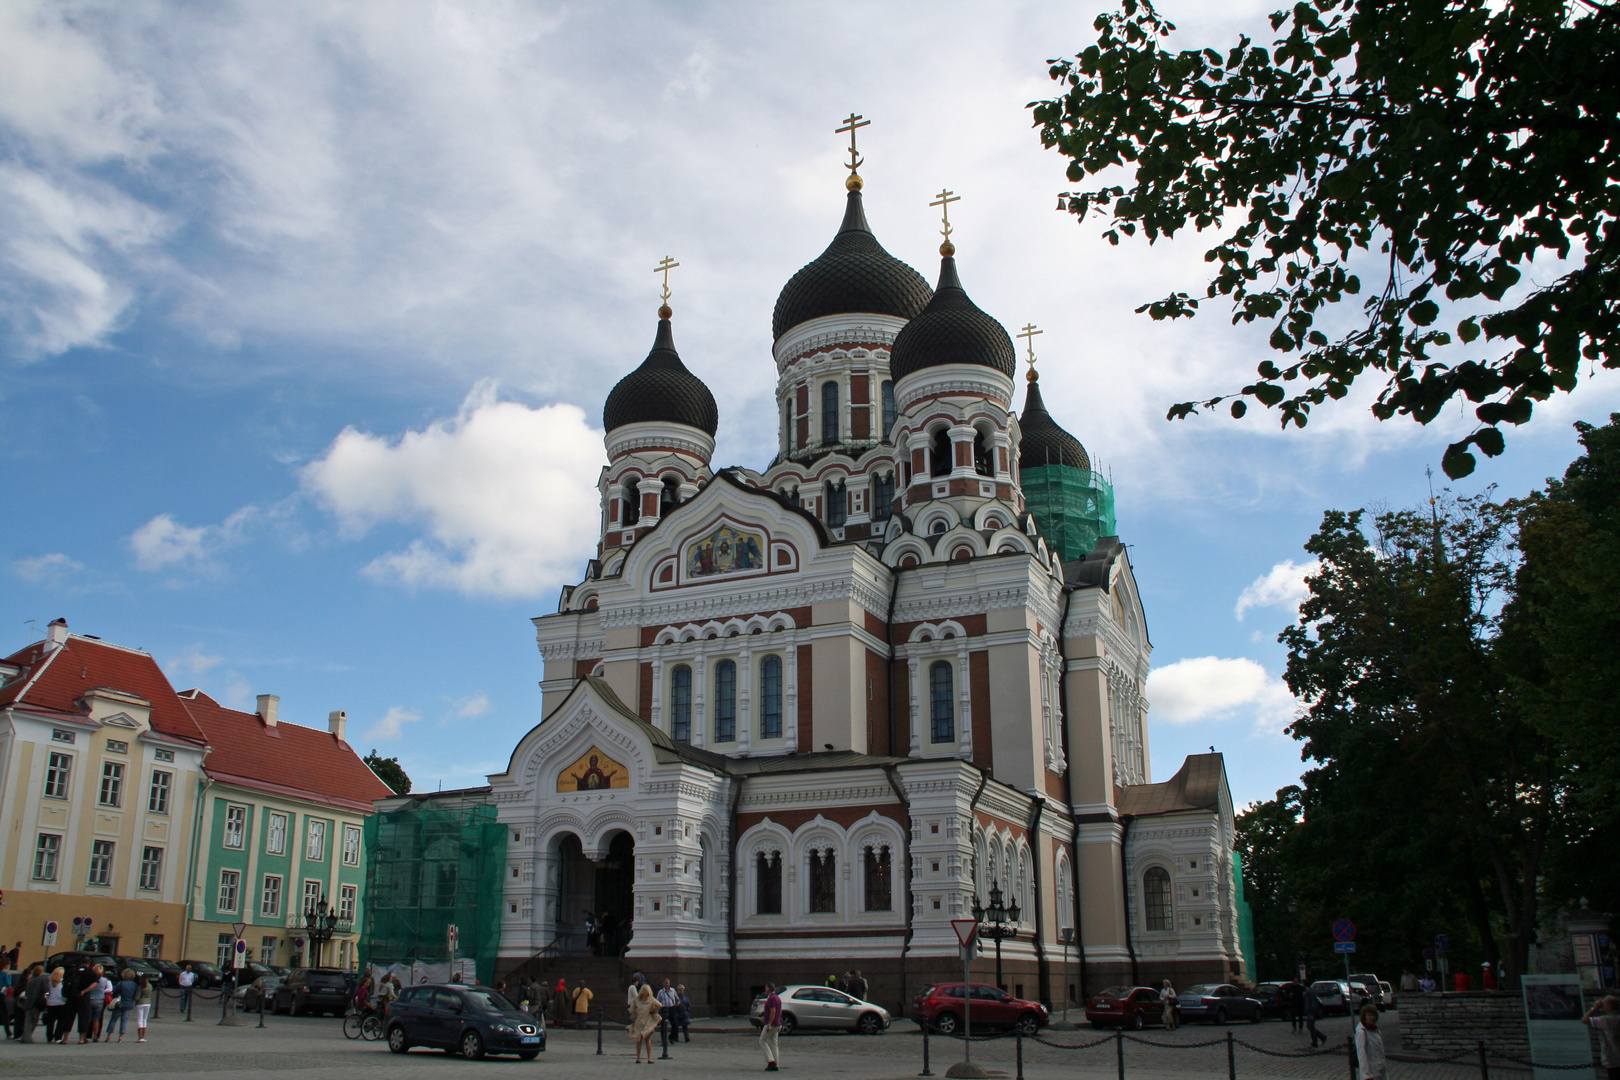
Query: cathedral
[[797, 720]]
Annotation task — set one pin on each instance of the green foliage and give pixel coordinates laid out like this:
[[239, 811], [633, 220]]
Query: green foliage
[[1451, 144], [390, 772]]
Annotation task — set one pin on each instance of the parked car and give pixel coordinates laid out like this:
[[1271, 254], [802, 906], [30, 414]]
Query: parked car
[[249, 994], [1270, 996], [71, 960], [1126, 1006], [470, 1020], [1333, 995], [823, 1008], [1388, 993], [250, 971], [170, 970], [1217, 1003], [1364, 991], [209, 977], [941, 1006], [140, 965], [312, 990]]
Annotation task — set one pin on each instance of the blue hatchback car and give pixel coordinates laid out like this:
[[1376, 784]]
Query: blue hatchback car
[[469, 1020]]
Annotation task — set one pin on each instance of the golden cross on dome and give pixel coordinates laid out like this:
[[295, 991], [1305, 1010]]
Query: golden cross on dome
[[664, 268], [944, 203], [1028, 334], [853, 124]]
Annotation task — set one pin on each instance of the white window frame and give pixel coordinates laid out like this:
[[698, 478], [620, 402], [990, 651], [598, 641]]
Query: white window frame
[[315, 841], [351, 845], [111, 792], [348, 897], [312, 896], [58, 775], [275, 839], [225, 957], [267, 950], [231, 880], [157, 796], [47, 856], [270, 897], [101, 864], [235, 836], [151, 868]]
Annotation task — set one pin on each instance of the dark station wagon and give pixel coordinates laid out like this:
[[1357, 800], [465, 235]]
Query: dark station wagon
[[468, 1020]]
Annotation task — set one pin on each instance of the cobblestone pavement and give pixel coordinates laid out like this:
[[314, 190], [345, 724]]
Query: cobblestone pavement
[[316, 1048]]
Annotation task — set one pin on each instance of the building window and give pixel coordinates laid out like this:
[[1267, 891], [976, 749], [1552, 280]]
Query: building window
[[235, 825], [630, 502], [888, 409], [837, 505], [230, 882], [1156, 897], [770, 698], [312, 896], [670, 497], [680, 704], [58, 735], [725, 701], [351, 845], [879, 893], [882, 497], [157, 799], [152, 947], [768, 887], [982, 463], [315, 846], [941, 453], [267, 950], [162, 755], [346, 896], [58, 770], [152, 868], [225, 953], [275, 835], [117, 746], [112, 783], [101, 860], [941, 703], [46, 850], [270, 897], [823, 881], [829, 412]]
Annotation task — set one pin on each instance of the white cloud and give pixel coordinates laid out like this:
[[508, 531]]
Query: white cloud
[[506, 494], [194, 663], [51, 570], [1212, 688], [469, 707], [1282, 586], [392, 725], [163, 543]]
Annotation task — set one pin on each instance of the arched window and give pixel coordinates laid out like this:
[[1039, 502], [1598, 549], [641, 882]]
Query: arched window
[[981, 455], [680, 704], [630, 508], [770, 698], [1156, 897], [882, 497], [888, 409], [837, 505], [823, 880], [941, 703], [939, 526], [768, 883], [670, 497], [941, 453], [725, 701], [829, 412], [879, 891]]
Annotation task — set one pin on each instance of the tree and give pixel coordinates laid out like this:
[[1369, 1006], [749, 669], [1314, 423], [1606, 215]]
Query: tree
[[390, 772], [1449, 146]]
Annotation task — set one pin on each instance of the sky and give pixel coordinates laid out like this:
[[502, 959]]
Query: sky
[[307, 314]]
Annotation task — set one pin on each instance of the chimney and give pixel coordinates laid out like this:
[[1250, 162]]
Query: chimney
[[267, 709], [56, 635], [336, 721]]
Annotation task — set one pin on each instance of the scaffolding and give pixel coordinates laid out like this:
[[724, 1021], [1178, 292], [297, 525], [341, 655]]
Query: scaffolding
[[1073, 507], [429, 867]]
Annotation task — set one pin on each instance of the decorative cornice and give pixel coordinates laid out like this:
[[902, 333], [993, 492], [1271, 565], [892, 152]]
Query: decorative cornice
[[702, 608], [661, 437]]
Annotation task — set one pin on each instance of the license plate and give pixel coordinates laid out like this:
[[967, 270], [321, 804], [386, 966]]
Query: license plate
[[530, 1039]]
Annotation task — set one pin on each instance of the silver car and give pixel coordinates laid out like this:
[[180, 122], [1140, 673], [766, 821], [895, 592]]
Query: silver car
[[823, 1008]]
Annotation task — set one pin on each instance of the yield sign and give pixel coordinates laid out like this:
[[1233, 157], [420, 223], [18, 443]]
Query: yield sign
[[965, 929]]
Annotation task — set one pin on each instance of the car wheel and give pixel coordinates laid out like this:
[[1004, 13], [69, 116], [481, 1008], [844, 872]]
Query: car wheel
[[1136, 1023], [397, 1042], [528, 1055], [869, 1024], [1220, 1016], [472, 1047], [946, 1023], [789, 1024], [1028, 1024]]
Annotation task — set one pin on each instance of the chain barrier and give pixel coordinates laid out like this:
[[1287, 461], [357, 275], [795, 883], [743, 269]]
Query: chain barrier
[[1538, 1065], [1065, 1046], [1441, 1059], [1286, 1053], [1174, 1046]]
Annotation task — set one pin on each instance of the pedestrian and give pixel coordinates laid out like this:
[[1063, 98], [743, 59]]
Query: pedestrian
[[1409, 981], [832, 981], [186, 980], [58, 1008], [560, 1002], [668, 1002], [582, 1005], [857, 987], [1460, 982], [36, 989], [1604, 1018], [681, 1023], [1313, 1012], [92, 998], [637, 981], [1369, 1046], [14, 957], [1293, 999], [7, 999], [1168, 995], [593, 934], [1427, 984], [644, 1020], [123, 1003], [1487, 976], [770, 1027], [143, 1006]]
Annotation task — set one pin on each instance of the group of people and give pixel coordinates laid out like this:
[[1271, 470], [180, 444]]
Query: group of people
[[86, 996], [668, 1010], [851, 983], [602, 934], [376, 994]]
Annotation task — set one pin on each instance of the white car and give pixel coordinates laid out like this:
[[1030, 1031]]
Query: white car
[[822, 1007]]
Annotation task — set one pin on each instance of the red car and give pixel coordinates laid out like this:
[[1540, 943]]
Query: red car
[[1126, 1006], [941, 1006]]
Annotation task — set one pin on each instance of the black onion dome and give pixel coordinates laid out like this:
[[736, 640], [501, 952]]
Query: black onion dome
[[1042, 442], [662, 391], [854, 275], [951, 330]]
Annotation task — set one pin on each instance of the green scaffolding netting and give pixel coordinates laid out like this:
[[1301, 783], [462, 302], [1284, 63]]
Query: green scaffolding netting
[[1073, 507], [428, 868]]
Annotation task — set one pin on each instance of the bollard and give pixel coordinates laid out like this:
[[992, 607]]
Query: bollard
[[1119, 1051], [1484, 1065], [189, 995], [1350, 1045], [1231, 1059], [261, 1005], [663, 1034], [157, 998], [926, 1071], [1018, 1042], [599, 1029]]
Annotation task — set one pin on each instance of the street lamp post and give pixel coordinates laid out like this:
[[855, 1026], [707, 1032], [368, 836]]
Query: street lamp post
[[1001, 923], [320, 921]]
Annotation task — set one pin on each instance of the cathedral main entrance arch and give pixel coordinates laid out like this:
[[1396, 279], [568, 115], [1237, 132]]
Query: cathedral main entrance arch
[[595, 896]]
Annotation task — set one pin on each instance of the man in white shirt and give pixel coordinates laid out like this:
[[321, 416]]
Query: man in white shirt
[[188, 978], [670, 1000]]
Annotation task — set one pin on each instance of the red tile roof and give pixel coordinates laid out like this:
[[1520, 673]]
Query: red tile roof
[[56, 679], [287, 759]]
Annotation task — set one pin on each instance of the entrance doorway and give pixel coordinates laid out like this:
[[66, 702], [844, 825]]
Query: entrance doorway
[[595, 897]]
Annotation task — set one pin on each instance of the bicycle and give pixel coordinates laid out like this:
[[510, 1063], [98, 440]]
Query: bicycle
[[362, 1025]]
